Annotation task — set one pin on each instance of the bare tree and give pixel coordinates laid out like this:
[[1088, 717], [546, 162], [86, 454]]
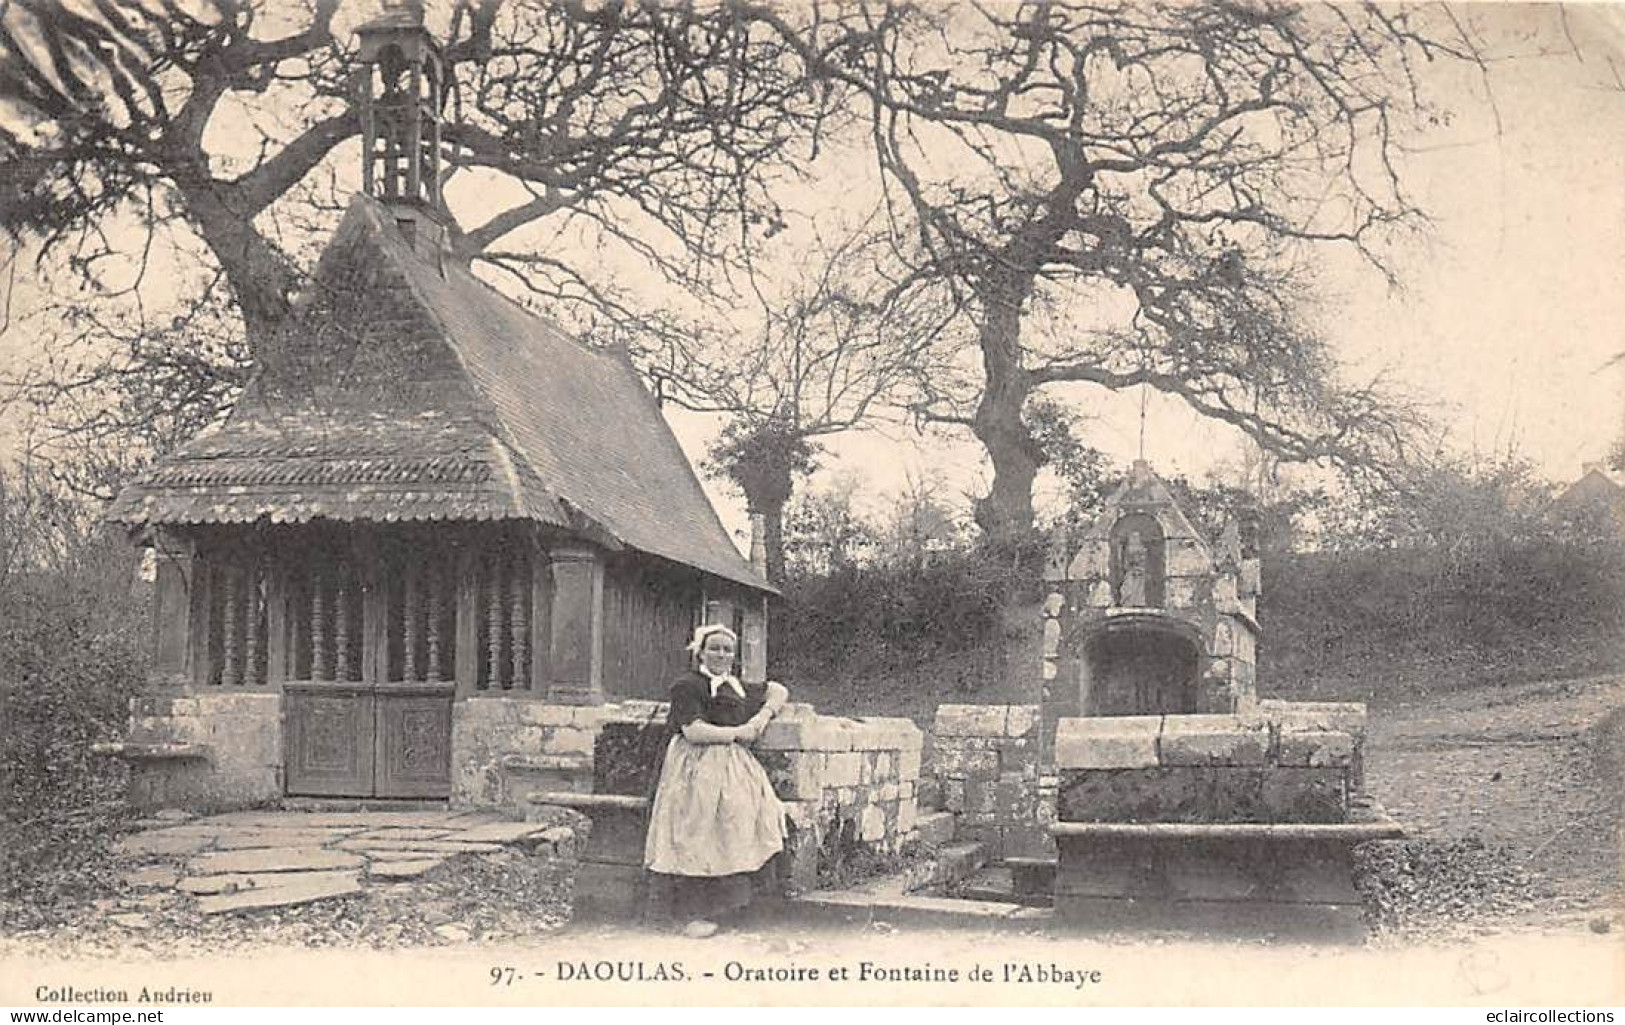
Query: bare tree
[[852, 339], [104, 389], [1129, 195], [129, 126], [824, 531]]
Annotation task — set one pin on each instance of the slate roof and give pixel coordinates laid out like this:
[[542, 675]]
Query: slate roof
[[1598, 485], [408, 389]]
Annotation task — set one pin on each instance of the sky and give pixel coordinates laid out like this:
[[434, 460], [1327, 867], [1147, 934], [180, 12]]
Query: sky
[[1507, 312]]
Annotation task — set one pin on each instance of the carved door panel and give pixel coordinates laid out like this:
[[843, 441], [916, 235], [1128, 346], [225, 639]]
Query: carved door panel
[[414, 742], [330, 743], [359, 741]]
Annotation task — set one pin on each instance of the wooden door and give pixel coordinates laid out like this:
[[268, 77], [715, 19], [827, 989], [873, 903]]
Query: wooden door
[[368, 691], [331, 739], [412, 757], [368, 742]]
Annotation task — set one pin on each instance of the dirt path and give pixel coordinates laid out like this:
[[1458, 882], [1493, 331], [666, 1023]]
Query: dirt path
[[1534, 767]]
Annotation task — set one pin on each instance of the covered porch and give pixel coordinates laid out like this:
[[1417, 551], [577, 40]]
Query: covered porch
[[328, 658]]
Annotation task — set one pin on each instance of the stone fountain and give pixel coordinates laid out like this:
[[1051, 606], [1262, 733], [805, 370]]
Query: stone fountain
[[1180, 797]]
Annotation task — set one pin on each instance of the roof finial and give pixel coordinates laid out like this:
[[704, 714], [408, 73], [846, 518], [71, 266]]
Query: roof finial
[[1142, 423]]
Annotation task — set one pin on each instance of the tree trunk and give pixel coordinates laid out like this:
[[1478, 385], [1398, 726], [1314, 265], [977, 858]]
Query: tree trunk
[[1005, 513], [767, 500], [765, 469], [261, 278], [772, 514]]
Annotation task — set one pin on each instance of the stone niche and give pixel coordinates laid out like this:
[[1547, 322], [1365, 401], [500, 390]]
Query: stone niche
[[1145, 616]]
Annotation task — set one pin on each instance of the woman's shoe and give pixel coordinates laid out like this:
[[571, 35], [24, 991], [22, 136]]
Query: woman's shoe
[[700, 929]]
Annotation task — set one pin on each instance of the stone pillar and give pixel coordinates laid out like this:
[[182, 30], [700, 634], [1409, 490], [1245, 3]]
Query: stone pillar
[[718, 610], [758, 543], [200, 596], [753, 642], [172, 610], [541, 621], [467, 667], [1058, 692], [576, 626]]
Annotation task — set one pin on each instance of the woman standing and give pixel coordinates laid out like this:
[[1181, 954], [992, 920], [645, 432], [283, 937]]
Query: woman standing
[[715, 822]]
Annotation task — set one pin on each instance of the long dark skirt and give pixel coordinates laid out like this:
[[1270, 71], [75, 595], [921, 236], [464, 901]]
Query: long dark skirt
[[715, 898]]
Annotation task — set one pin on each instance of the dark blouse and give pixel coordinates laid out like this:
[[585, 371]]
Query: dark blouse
[[691, 699]]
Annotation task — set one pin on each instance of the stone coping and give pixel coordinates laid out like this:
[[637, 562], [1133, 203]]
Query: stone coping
[[1277, 733], [570, 799], [1016, 720], [797, 727], [1349, 716], [793, 730], [1351, 832]]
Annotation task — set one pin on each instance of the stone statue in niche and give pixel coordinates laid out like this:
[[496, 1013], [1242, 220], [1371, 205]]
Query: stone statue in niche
[[1131, 589], [1137, 562]]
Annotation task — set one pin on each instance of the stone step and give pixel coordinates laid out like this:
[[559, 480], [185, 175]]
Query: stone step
[[425, 847], [993, 882], [402, 869], [163, 843], [957, 862], [851, 907], [1032, 877], [936, 828], [586, 802], [273, 859], [243, 839], [928, 794], [1003, 883], [365, 804]]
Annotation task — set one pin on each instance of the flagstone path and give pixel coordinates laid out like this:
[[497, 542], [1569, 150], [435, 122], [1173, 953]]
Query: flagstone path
[[258, 859]]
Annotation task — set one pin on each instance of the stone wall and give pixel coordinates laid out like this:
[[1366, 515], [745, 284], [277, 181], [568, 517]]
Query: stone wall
[[506, 748], [845, 783], [205, 751], [986, 759], [1287, 763]]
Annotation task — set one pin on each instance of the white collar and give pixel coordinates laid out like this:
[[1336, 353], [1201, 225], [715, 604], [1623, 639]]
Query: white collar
[[722, 680]]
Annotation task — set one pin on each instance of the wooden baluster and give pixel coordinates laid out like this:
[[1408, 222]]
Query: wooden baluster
[[435, 582], [252, 674], [409, 623], [318, 624], [341, 628], [231, 623], [493, 621], [518, 623]]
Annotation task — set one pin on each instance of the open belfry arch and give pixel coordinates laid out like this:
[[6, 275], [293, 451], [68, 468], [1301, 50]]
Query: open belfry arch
[[426, 496]]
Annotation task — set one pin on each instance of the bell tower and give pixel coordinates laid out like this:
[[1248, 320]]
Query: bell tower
[[404, 88]]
